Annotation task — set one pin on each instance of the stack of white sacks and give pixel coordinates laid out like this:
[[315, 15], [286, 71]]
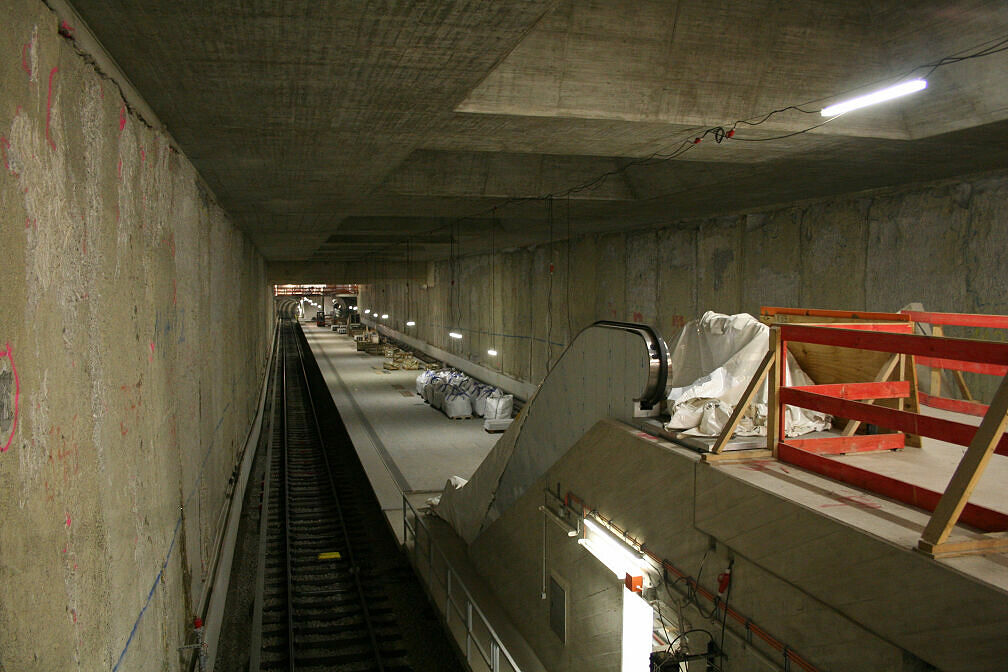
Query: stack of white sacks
[[459, 396]]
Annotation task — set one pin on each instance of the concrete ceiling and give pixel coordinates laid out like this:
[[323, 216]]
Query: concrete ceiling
[[338, 131]]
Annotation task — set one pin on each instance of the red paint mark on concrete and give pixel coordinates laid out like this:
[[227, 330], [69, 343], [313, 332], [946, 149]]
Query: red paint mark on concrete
[[73, 612], [122, 117], [857, 501], [122, 429], [66, 30], [9, 354], [4, 146], [150, 357], [174, 295], [120, 177], [24, 58], [48, 114], [143, 155], [68, 520], [637, 317]]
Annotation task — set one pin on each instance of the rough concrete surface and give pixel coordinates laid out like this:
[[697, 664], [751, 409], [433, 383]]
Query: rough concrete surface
[[940, 243], [134, 320]]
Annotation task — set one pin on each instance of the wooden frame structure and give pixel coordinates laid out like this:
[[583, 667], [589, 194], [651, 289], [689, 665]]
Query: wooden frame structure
[[938, 321], [854, 401]]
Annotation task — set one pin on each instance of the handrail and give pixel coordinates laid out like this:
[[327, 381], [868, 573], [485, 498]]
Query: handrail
[[933, 397], [658, 355], [947, 507], [492, 659]]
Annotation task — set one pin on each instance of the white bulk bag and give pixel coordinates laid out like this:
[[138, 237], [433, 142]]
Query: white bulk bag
[[498, 406], [457, 405], [479, 401]]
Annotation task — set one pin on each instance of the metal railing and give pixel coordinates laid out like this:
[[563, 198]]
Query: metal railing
[[466, 622]]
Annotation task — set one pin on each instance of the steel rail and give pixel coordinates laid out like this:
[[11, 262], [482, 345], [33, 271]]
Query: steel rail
[[347, 540]]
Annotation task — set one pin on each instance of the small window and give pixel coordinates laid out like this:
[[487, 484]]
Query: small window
[[558, 609]]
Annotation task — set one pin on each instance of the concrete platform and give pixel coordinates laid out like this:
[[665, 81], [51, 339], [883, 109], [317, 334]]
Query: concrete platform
[[406, 447]]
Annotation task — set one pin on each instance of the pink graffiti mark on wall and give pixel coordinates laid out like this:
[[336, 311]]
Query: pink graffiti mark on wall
[[48, 114], [9, 354], [122, 117], [151, 356], [24, 57], [4, 146], [66, 30], [120, 168]]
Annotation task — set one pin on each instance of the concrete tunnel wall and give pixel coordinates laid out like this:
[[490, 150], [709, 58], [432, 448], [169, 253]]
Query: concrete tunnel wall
[[126, 393], [944, 244]]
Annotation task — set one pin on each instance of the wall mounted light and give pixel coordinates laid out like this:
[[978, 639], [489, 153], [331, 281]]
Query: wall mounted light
[[384, 316], [492, 352], [411, 323], [454, 334], [618, 555], [367, 311], [879, 96]]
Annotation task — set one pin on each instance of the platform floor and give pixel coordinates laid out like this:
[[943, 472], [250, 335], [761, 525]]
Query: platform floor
[[406, 447], [409, 449]]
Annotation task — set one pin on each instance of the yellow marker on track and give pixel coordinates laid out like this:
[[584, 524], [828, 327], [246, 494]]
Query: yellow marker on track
[[331, 555]]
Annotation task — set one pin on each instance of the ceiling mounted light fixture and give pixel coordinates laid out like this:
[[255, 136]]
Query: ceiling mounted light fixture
[[882, 95]]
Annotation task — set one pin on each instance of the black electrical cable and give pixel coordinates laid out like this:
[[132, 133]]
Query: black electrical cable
[[981, 50]]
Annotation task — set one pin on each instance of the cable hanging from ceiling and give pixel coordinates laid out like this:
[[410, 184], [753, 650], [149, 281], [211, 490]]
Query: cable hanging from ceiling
[[690, 138]]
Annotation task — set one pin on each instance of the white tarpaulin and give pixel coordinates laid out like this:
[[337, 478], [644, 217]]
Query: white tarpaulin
[[713, 361]]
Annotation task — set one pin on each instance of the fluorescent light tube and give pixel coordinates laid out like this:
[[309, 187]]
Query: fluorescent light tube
[[454, 334], [492, 352], [411, 323], [882, 95], [385, 316]]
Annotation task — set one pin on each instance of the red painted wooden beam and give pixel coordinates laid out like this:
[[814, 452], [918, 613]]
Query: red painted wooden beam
[[954, 405], [959, 319], [986, 352], [834, 314], [979, 517], [960, 365], [899, 389], [904, 421], [841, 445]]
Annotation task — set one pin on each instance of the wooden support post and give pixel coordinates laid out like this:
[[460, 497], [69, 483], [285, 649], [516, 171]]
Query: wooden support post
[[963, 389], [936, 373], [743, 403], [882, 376], [967, 473], [913, 401], [775, 378]]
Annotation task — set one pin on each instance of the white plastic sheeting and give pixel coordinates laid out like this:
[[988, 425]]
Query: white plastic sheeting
[[713, 361]]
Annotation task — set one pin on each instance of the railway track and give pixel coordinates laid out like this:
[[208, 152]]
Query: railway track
[[323, 601]]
